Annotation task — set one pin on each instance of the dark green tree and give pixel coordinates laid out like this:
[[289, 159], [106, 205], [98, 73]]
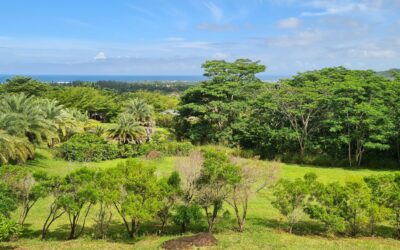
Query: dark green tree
[[27, 85], [210, 111]]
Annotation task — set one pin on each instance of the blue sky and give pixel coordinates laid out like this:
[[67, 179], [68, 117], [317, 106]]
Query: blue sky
[[174, 37]]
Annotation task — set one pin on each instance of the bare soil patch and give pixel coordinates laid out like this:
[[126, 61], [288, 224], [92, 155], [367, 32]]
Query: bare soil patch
[[188, 242]]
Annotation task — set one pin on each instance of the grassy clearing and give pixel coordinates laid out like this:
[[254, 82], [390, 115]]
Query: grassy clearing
[[264, 227]]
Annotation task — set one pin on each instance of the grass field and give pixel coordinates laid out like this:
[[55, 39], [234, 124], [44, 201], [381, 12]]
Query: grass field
[[264, 228]]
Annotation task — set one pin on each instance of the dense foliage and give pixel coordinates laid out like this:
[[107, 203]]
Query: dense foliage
[[27, 121], [328, 116], [88, 147]]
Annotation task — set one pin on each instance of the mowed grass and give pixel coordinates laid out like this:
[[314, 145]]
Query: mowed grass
[[265, 228]]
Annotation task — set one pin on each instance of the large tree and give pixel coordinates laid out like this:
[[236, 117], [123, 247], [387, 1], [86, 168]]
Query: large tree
[[27, 85], [211, 111]]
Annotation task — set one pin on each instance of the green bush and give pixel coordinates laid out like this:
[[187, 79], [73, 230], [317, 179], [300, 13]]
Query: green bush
[[165, 120], [8, 201], [88, 147], [8, 229], [186, 215], [243, 153], [171, 148], [128, 151]]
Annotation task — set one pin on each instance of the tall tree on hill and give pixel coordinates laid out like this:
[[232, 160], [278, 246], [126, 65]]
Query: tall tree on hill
[[211, 111]]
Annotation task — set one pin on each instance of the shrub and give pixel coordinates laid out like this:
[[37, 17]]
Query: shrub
[[244, 153], [291, 197], [186, 215], [348, 208], [172, 148], [128, 150], [8, 229], [8, 201], [165, 120], [88, 147]]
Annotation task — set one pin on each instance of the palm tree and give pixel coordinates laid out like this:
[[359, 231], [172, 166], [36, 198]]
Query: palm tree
[[23, 116], [63, 120], [143, 113], [14, 148], [127, 130]]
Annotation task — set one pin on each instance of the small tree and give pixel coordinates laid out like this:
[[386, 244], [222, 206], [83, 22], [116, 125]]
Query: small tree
[[107, 193], [56, 209], [170, 194], [325, 206], [251, 173], [291, 198], [188, 211], [217, 176], [190, 170], [386, 193], [355, 209], [186, 214], [139, 198], [78, 194], [26, 186]]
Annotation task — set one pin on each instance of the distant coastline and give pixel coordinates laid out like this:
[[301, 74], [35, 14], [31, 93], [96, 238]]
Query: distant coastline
[[123, 78]]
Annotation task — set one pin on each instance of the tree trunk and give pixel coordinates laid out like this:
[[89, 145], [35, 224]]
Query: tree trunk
[[291, 228], [51, 218], [349, 153], [73, 228], [183, 227], [135, 224], [398, 149], [129, 231]]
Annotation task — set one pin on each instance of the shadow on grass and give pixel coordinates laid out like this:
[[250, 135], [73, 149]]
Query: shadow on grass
[[302, 228], [8, 247], [314, 228], [116, 232]]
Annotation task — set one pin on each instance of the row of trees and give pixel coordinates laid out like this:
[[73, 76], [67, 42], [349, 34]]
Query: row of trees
[[329, 116], [203, 181], [356, 207]]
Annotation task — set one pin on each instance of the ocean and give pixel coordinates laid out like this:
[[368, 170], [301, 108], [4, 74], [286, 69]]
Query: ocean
[[123, 78]]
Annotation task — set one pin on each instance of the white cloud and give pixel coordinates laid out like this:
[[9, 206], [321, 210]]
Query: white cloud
[[289, 23], [100, 56], [335, 7], [215, 11], [221, 56], [303, 38], [373, 52]]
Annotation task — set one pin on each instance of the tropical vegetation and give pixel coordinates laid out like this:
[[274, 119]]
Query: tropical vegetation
[[92, 163]]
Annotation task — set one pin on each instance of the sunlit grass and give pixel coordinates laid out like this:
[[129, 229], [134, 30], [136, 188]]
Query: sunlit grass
[[263, 231]]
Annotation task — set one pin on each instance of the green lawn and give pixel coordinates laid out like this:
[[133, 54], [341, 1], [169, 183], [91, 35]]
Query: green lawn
[[264, 227]]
